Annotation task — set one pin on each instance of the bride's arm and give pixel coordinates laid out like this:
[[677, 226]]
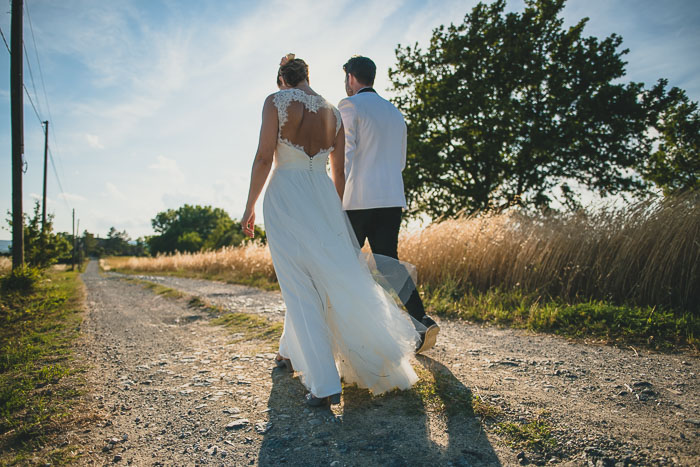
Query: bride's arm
[[338, 162], [261, 164]]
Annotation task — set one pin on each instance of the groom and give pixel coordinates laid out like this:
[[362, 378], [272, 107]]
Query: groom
[[375, 156]]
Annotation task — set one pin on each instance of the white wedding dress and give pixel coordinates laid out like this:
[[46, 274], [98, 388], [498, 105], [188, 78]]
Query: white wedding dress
[[340, 322]]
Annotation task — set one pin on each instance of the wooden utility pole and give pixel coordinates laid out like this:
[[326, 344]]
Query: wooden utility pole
[[17, 116], [46, 165], [73, 255], [76, 248]]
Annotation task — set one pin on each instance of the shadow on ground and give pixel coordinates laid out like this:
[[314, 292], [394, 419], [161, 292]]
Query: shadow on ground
[[431, 424]]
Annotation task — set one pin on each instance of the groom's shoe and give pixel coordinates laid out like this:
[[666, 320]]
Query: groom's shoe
[[428, 337]]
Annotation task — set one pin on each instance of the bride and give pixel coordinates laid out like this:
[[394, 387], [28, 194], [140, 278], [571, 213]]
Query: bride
[[340, 322]]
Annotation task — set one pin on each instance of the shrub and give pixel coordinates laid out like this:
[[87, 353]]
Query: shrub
[[21, 280]]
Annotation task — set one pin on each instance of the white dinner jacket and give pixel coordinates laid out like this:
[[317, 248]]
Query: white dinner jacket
[[375, 152]]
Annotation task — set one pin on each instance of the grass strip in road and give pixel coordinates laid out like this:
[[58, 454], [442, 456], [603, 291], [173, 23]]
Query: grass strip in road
[[157, 289], [193, 301], [250, 327], [258, 281], [39, 382], [624, 324], [245, 326]]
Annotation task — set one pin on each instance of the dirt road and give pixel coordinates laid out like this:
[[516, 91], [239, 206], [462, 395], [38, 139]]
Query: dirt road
[[169, 388]]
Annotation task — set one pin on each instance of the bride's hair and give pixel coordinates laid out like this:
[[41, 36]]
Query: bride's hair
[[294, 72]]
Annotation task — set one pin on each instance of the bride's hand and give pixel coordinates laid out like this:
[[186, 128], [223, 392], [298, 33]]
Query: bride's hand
[[248, 223]]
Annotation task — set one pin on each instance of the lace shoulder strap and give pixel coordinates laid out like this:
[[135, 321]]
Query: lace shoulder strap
[[283, 98], [338, 119]]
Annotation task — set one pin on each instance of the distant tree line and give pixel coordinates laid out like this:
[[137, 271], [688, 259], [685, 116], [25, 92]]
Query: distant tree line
[[186, 229], [44, 247], [195, 228], [116, 243]]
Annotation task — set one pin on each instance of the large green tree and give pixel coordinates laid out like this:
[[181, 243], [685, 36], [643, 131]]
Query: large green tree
[[514, 108], [674, 164]]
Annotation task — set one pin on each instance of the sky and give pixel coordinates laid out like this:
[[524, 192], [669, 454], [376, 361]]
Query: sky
[[156, 103]]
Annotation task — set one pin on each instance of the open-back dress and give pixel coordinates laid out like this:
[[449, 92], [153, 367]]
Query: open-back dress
[[340, 322]]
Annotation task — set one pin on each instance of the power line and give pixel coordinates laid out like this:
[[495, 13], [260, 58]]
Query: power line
[[43, 85], [38, 62], [31, 76], [53, 165], [26, 91], [5, 41], [46, 99]]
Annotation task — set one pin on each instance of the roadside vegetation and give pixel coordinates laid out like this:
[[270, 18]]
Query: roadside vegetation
[[248, 264], [5, 264], [40, 317], [629, 275]]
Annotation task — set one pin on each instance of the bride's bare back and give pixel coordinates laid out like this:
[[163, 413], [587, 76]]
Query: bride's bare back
[[306, 121]]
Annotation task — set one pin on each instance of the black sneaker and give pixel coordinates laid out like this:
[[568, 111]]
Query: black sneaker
[[428, 337]]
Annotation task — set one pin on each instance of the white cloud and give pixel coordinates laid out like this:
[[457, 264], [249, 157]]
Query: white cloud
[[114, 192], [94, 141], [71, 197], [169, 167]]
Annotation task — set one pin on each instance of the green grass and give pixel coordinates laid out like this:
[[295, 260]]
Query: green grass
[[158, 289], [259, 281], [250, 327], [441, 392], [534, 435], [38, 377], [652, 327]]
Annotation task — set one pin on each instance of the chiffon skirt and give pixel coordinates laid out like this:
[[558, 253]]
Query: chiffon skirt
[[342, 318]]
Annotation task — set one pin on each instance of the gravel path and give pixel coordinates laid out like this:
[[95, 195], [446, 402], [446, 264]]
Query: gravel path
[[171, 389]]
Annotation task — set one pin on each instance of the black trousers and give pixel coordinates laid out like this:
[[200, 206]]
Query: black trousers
[[380, 226]]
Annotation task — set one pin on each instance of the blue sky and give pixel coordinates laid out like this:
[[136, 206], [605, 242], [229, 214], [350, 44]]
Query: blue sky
[[156, 103]]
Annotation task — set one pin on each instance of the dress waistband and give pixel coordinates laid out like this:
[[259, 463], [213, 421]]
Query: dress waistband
[[313, 164]]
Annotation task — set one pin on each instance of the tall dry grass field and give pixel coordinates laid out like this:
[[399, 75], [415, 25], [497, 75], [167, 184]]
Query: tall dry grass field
[[647, 253], [236, 264], [5, 264]]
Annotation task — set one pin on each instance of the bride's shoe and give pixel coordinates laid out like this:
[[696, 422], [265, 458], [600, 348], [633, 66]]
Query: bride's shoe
[[282, 362], [313, 401]]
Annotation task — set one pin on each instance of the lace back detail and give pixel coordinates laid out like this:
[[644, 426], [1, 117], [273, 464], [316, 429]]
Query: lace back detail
[[282, 99], [285, 97]]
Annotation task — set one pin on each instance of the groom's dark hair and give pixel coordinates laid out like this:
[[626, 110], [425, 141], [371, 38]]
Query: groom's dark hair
[[362, 68]]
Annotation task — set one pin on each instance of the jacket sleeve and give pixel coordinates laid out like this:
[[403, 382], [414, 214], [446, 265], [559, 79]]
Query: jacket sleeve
[[349, 115]]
